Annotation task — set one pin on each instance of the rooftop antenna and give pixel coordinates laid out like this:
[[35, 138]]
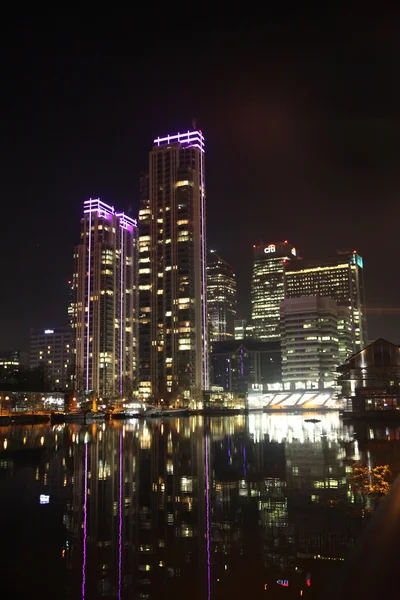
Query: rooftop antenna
[[194, 123]]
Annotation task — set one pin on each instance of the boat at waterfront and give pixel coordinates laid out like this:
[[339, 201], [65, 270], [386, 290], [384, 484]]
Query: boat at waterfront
[[24, 419], [152, 411], [175, 412], [87, 416]]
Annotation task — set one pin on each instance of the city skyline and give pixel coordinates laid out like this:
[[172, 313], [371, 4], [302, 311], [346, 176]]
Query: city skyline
[[302, 145]]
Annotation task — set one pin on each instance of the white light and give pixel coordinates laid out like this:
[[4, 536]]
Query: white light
[[49, 331], [43, 499]]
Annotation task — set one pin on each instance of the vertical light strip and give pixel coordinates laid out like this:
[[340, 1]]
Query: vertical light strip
[[208, 522], [88, 302], [203, 267], [120, 518], [121, 328], [85, 489]]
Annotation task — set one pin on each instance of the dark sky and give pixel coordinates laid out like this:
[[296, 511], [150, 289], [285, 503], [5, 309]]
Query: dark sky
[[302, 122]]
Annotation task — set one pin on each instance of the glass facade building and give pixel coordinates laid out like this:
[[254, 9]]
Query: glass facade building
[[235, 365], [221, 298], [310, 343], [104, 311], [339, 277], [268, 289], [172, 270]]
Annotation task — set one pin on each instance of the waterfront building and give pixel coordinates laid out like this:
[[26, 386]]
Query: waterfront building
[[339, 277], [104, 314], [235, 365], [310, 343], [221, 298], [370, 379], [52, 351], [172, 270], [267, 288]]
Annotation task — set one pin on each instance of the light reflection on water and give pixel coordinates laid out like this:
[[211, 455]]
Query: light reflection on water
[[211, 508]]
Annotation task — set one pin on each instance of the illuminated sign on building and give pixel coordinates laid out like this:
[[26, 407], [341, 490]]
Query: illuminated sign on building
[[293, 251], [44, 499], [269, 249], [49, 331]]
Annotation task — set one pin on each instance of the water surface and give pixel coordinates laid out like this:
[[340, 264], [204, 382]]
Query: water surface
[[206, 508]]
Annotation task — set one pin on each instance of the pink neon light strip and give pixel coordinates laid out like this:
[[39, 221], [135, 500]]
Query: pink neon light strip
[[204, 280], [183, 138], [120, 519], [88, 302], [121, 310], [105, 210], [208, 523], [85, 488]]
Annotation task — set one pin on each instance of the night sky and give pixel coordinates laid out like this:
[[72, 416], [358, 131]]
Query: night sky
[[301, 116]]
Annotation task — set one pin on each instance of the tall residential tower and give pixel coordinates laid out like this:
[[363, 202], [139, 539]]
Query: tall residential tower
[[104, 315], [172, 270], [221, 298]]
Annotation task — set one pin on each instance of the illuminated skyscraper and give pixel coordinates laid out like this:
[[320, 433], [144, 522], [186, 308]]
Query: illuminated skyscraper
[[268, 290], [310, 343], [172, 270], [221, 298], [339, 277], [104, 315]]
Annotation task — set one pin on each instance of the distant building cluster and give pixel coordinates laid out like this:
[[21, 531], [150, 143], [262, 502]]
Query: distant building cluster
[[154, 311]]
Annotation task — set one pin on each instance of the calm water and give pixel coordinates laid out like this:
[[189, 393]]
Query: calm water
[[176, 508]]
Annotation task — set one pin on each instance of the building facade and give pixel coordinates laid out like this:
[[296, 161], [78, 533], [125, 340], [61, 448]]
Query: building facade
[[267, 288], [236, 365], [52, 351], [104, 314], [370, 379], [172, 270], [339, 277], [10, 363], [240, 329], [310, 343], [221, 298]]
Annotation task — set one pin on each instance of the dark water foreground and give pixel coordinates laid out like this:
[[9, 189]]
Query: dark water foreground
[[229, 507]]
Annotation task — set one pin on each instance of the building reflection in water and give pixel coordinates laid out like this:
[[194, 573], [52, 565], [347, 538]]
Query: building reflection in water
[[203, 507]]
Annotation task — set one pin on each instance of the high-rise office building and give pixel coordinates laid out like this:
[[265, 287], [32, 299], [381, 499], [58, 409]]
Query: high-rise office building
[[221, 298], [52, 350], [310, 343], [172, 270], [240, 329], [10, 362], [339, 277], [104, 315], [267, 288]]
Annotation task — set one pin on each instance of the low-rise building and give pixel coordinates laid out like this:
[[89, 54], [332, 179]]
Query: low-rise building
[[370, 379], [235, 365]]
